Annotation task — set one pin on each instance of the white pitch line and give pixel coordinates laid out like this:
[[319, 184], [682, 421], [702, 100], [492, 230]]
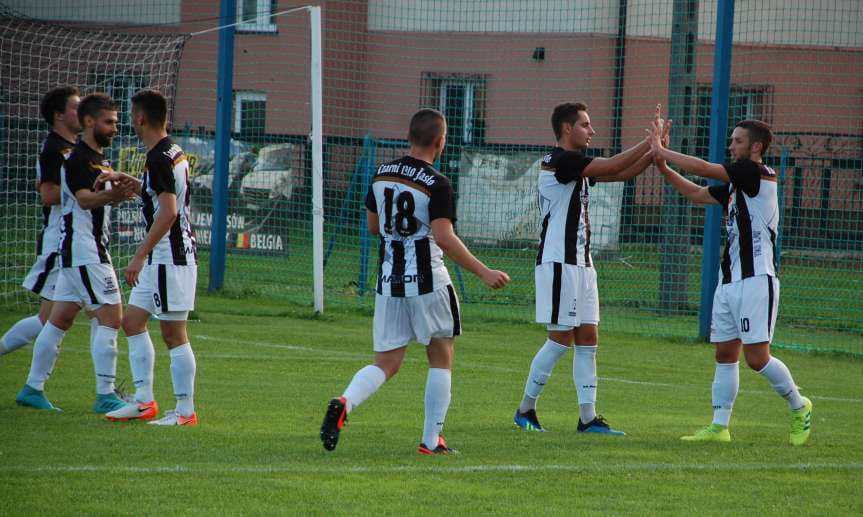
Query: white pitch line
[[494, 368], [326, 354], [433, 468]]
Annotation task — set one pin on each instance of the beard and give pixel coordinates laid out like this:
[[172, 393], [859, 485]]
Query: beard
[[103, 139]]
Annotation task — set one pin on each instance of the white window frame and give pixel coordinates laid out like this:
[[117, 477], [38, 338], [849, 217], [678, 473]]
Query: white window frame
[[469, 86], [239, 97], [263, 21]]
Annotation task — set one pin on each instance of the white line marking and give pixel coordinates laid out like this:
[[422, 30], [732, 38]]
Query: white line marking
[[458, 469], [346, 356], [495, 368]]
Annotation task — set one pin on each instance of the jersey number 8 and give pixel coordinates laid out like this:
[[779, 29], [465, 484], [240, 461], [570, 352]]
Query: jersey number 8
[[406, 224]]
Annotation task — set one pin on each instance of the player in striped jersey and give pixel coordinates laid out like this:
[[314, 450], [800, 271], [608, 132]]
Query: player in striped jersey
[[86, 278], [163, 271], [746, 300], [412, 208], [59, 108], [567, 301]]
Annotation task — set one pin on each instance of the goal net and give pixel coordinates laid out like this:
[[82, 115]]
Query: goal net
[[38, 56]]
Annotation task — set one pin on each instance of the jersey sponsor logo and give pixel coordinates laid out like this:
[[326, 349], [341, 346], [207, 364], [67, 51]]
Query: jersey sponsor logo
[[401, 279], [110, 288]]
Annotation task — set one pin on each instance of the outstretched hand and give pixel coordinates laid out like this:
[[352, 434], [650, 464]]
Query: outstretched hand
[[658, 134], [122, 186]]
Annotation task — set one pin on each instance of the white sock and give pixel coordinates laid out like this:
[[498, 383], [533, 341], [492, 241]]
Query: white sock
[[103, 349], [45, 352], [584, 376], [726, 382], [183, 376], [540, 370], [142, 358], [363, 385], [94, 326], [437, 402], [780, 378], [20, 334]]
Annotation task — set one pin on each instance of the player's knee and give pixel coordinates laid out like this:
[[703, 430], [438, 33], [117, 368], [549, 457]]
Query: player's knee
[[726, 356], [62, 322], [170, 337], [757, 363], [390, 368], [132, 327]]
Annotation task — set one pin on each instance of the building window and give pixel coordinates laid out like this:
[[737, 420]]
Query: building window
[[256, 15], [250, 113], [121, 88], [744, 102], [461, 98]]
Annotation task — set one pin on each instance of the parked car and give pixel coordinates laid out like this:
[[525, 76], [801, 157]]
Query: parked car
[[266, 190]]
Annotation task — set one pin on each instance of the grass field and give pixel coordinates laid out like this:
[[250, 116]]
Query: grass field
[[266, 371]]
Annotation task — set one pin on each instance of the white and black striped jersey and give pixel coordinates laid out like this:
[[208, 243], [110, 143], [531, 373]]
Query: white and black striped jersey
[[564, 200], [55, 150], [167, 170], [408, 194], [84, 234], [751, 220]]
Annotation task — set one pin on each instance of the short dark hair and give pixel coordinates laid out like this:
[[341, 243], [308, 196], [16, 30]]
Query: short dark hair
[[94, 103], [153, 104], [426, 126], [55, 102], [566, 112], [758, 132]]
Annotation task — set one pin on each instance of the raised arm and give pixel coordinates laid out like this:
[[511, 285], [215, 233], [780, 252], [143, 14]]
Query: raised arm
[[695, 193], [630, 172], [618, 163], [694, 165]]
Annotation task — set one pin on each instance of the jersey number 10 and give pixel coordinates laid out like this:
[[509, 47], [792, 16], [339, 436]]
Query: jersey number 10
[[405, 224]]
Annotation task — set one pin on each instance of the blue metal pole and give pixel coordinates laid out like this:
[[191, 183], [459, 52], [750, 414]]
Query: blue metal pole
[[718, 129], [783, 163], [367, 169], [218, 248]]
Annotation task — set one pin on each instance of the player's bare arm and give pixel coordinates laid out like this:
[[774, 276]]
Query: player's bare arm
[[455, 249], [49, 193], [617, 163], [627, 164], [630, 172], [690, 164], [658, 135], [89, 199], [692, 191], [165, 217], [372, 222], [123, 180]]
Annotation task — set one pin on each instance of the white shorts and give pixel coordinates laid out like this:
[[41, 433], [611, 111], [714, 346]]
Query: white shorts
[[745, 309], [398, 321], [42, 278], [90, 286], [166, 290], [566, 296]]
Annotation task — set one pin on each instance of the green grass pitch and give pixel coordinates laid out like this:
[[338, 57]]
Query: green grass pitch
[[266, 371]]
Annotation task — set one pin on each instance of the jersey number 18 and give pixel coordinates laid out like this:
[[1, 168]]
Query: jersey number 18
[[405, 223]]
